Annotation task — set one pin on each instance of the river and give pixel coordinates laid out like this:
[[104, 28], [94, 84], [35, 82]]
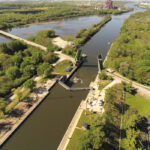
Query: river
[[44, 129]]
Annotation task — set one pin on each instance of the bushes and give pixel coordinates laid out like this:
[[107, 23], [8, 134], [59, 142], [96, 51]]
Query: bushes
[[29, 84], [12, 47], [44, 69], [69, 51], [46, 33], [50, 57], [103, 76], [12, 73]]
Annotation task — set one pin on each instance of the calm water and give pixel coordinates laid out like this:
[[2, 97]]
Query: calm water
[[4, 39], [44, 129], [63, 28]]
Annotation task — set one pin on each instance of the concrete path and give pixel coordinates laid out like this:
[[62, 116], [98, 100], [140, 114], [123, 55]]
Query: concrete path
[[141, 89]]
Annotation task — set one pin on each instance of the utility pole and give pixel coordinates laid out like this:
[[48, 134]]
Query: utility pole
[[123, 99], [100, 63]]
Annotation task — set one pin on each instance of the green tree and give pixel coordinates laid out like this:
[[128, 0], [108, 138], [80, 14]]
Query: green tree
[[29, 70], [29, 84], [44, 68], [3, 104], [124, 68], [110, 96], [16, 46], [4, 48], [16, 60], [102, 76], [133, 140], [91, 139], [13, 72], [50, 57], [127, 87]]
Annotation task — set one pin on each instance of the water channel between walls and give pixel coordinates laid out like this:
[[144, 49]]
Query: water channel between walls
[[44, 129]]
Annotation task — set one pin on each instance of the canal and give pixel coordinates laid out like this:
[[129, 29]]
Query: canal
[[44, 129]]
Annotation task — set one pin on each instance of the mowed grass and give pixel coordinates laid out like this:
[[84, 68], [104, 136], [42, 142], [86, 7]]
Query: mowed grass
[[140, 103], [74, 140], [85, 117], [62, 66]]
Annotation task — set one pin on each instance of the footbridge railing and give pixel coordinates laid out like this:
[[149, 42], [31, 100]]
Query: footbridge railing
[[72, 89]]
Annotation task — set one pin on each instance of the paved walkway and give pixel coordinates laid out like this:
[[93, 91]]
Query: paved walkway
[[141, 89]]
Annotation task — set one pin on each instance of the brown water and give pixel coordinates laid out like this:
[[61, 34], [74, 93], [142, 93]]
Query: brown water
[[44, 129]]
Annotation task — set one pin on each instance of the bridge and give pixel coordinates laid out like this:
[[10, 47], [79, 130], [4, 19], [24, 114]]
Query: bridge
[[72, 89]]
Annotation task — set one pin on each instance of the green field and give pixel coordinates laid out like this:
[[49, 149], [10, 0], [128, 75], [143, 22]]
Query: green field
[[62, 66], [140, 103], [74, 140]]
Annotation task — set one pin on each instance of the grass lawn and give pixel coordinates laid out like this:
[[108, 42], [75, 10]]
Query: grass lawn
[[87, 118], [59, 69], [140, 103], [77, 132], [74, 140]]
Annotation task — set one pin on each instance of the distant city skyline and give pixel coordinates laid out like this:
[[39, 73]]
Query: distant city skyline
[[67, 0]]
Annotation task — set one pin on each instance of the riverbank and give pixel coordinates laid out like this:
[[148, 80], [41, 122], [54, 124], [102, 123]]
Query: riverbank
[[10, 124]]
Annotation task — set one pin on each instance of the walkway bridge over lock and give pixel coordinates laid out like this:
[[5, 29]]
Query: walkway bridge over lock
[[71, 89]]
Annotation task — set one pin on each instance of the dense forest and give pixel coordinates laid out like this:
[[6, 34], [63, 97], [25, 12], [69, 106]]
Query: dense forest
[[130, 53], [19, 62], [12, 15]]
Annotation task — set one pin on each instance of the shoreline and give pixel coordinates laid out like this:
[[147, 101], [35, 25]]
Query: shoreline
[[20, 121]]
